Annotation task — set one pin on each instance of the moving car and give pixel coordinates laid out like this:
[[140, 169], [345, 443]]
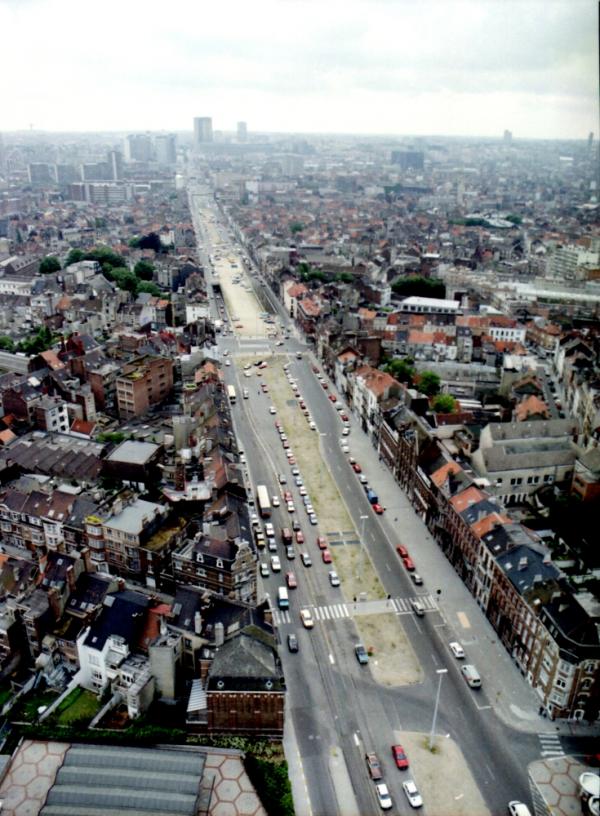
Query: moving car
[[378, 509], [416, 578], [299, 537], [275, 563], [400, 757], [306, 559], [306, 618], [275, 501], [290, 552], [334, 578], [409, 565], [290, 580], [402, 551], [412, 794], [471, 675], [457, 650], [361, 654], [383, 796], [373, 766], [292, 642], [417, 607]]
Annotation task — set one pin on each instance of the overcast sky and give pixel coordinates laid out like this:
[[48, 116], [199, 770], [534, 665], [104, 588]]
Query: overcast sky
[[456, 67]]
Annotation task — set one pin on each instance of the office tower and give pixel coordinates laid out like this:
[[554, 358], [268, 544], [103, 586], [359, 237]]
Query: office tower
[[242, 131], [40, 173], [590, 145], [507, 137], [165, 146], [138, 147], [203, 131], [115, 165], [66, 173], [409, 159]]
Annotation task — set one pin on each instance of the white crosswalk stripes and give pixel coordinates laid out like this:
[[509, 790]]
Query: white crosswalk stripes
[[333, 612], [551, 745]]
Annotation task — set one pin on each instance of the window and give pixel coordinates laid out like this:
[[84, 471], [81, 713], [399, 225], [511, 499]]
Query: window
[[219, 563]]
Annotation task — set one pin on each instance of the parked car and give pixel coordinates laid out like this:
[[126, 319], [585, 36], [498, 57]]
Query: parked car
[[361, 654], [400, 757], [409, 565], [373, 766], [334, 578], [326, 556], [412, 794], [402, 551], [264, 569], [383, 796], [321, 542], [378, 509], [457, 650], [416, 579], [356, 467], [313, 519]]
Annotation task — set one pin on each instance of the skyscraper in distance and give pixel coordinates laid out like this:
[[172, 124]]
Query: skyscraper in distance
[[242, 131], [203, 131]]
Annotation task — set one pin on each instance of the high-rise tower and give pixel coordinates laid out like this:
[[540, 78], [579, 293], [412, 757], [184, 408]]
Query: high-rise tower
[[203, 131]]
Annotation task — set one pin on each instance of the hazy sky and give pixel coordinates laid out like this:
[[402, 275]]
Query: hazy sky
[[472, 67]]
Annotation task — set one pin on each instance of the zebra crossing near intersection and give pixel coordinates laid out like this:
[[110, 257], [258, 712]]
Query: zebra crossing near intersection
[[551, 745], [332, 612]]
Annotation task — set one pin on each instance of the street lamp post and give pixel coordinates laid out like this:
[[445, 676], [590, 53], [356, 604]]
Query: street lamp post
[[440, 673]]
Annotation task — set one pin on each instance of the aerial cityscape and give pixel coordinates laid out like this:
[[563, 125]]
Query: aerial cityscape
[[300, 410]]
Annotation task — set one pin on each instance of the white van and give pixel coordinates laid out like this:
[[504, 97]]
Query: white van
[[471, 675], [283, 601]]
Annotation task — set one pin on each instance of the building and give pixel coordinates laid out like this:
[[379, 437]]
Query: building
[[242, 132], [144, 382], [138, 147], [115, 165], [40, 173], [51, 414], [409, 159], [425, 305], [165, 146], [203, 132]]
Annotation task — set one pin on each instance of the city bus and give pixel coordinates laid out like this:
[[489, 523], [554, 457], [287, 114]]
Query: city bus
[[264, 505], [231, 394]]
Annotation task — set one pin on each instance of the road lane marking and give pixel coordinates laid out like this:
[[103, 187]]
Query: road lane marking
[[356, 739], [463, 620], [331, 659]]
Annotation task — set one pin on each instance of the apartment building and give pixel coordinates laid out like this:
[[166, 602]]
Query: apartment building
[[143, 383]]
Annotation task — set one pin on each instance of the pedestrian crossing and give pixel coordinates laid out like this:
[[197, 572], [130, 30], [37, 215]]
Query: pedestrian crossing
[[551, 745], [332, 612]]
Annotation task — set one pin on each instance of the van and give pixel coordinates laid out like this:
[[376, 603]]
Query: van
[[283, 601], [471, 675], [286, 535], [417, 607]]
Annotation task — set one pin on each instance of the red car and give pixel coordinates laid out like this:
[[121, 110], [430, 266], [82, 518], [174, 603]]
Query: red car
[[402, 551], [286, 444], [299, 537], [400, 757], [287, 495], [278, 424], [315, 369], [326, 556], [290, 580], [321, 542], [325, 386], [302, 404], [344, 417], [408, 564], [332, 397], [291, 460], [378, 509], [356, 467]]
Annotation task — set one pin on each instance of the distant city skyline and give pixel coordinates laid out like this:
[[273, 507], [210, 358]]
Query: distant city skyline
[[395, 67]]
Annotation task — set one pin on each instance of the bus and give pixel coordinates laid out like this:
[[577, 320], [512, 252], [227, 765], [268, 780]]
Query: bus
[[264, 505], [231, 394]]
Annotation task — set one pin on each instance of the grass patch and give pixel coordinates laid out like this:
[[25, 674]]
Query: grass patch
[[6, 693], [78, 706], [27, 709]]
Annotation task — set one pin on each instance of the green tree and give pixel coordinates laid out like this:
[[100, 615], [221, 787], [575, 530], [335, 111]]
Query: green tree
[[296, 227], [444, 404], [419, 286], [429, 383], [6, 344], [401, 370], [124, 278], [49, 265], [74, 256], [134, 242], [144, 270], [106, 257], [148, 286], [515, 219]]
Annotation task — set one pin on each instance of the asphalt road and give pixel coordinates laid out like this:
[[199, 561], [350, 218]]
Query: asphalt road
[[334, 703]]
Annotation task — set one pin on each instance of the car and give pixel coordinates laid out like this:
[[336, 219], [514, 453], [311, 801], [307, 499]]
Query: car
[[302, 404], [292, 642], [228, 362], [361, 654], [378, 509], [299, 481], [339, 407], [345, 449], [325, 385], [346, 432], [306, 500], [334, 578], [290, 552], [321, 542], [275, 563], [417, 606], [307, 618], [245, 393], [309, 509], [383, 796], [299, 537], [402, 551], [290, 507], [269, 529], [332, 398], [278, 424], [400, 757], [409, 565], [303, 491], [326, 556], [312, 426], [412, 794], [275, 501], [416, 579], [286, 444], [291, 460], [295, 471], [282, 478], [290, 580], [272, 409], [295, 525], [271, 544], [313, 519], [516, 808], [471, 675], [306, 559], [315, 370], [287, 496], [457, 650], [264, 569], [344, 417], [373, 766], [356, 467]]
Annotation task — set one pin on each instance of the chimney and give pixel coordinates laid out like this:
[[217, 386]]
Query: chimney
[[54, 602], [120, 584], [198, 623], [87, 559], [71, 577]]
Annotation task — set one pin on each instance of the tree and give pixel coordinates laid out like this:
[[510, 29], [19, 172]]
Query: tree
[[125, 279], [6, 344], [74, 256], [401, 370], [296, 227], [148, 286], [105, 256], [144, 270], [49, 265], [419, 286], [429, 383], [150, 241], [444, 404]]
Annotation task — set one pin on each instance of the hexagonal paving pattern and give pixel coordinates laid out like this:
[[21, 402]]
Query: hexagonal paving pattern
[[31, 774], [233, 793], [557, 781]]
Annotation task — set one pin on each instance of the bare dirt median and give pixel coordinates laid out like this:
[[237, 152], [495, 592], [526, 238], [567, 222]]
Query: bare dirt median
[[394, 663]]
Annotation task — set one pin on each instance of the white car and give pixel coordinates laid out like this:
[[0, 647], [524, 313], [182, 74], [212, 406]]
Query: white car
[[516, 808], [313, 519], [310, 509], [275, 501], [295, 471], [303, 490], [383, 796], [334, 578], [290, 507], [306, 618], [346, 432], [275, 563], [272, 409], [264, 569], [228, 362], [345, 448], [312, 426], [457, 650], [269, 529], [412, 794]]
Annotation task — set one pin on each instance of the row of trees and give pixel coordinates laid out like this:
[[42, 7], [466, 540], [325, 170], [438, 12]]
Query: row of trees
[[428, 383], [41, 341], [419, 286], [114, 269]]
